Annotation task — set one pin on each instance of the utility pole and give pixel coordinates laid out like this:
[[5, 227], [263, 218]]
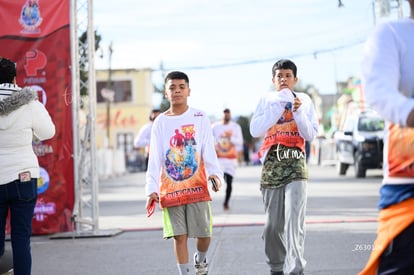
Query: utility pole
[[109, 97]]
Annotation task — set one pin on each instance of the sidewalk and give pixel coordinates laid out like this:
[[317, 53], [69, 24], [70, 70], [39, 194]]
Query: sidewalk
[[122, 201], [128, 192], [340, 226]]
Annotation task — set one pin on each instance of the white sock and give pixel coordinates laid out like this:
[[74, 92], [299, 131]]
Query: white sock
[[201, 256], [184, 269]]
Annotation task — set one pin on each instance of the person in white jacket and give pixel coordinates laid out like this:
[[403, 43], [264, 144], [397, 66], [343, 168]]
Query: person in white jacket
[[388, 85], [181, 161], [143, 138], [228, 137], [22, 118], [286, 119]]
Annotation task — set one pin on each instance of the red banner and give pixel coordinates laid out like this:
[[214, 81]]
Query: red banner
[[36, 35]]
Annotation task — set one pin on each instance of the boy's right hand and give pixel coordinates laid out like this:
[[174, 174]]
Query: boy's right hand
[[151, 202]]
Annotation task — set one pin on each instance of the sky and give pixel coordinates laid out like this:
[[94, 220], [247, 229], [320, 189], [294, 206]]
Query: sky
[[228, 47]]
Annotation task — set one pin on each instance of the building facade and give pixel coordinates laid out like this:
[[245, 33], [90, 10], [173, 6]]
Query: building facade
[[124, 102]]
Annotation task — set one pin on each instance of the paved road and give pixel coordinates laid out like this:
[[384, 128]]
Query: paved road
[[341, 226]]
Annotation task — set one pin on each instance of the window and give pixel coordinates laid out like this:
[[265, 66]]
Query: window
[[122, 88], [370, 124], [135, 160], [125, 142]]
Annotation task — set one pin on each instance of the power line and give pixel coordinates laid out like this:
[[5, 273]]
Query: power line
[[264, 60]]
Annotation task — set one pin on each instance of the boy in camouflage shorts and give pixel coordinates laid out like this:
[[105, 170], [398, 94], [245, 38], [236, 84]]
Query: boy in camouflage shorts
[[286, 119]]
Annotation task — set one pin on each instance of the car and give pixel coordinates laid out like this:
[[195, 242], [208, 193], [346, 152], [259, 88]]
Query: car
[[360, 143]]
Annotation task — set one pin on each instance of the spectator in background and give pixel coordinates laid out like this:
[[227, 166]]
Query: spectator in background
[[228, 138], [239, 150], [22, 117], [142, 140], [246, 153], [388, 81]]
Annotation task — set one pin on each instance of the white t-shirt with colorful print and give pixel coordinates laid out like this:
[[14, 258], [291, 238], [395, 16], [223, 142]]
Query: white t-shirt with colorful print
[[228, 138], [181, 159]]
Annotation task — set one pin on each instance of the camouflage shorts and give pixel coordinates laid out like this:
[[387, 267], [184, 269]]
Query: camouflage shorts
[[283, 165]]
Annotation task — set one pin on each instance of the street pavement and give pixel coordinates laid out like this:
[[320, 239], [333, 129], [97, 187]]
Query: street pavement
[[340, 224]]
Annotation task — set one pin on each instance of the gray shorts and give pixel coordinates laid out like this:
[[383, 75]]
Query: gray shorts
[[194, 220]]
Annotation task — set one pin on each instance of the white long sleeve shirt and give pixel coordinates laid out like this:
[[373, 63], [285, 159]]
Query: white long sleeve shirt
[[388, 85], [228, 138], [143, 138], [182, 157], [272, 108], [17, 127]]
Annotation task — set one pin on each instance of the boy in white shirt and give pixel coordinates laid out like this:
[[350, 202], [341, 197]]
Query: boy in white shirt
[[182, 159], [286, 119]]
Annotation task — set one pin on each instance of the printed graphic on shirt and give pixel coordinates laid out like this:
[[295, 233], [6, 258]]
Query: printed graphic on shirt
[[181, 159], [224, 148], [284, 132], [184, 180], [283, 165], [401, 151]]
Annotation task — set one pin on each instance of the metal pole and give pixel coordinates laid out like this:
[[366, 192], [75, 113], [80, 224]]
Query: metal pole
[[84, 152], [75, 89], [108, 100], [108, 123], [92, 117]]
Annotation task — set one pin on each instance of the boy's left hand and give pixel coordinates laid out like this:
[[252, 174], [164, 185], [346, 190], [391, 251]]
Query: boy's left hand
[[217, 181], [296, 104]]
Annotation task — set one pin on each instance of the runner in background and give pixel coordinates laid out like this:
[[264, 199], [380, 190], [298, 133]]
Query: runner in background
[[228, 143]]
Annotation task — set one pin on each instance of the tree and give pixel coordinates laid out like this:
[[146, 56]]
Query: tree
[[83, 53], [244, 123], [165, 104]]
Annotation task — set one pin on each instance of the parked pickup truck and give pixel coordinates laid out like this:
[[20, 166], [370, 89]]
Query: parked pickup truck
[[360, 143]]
